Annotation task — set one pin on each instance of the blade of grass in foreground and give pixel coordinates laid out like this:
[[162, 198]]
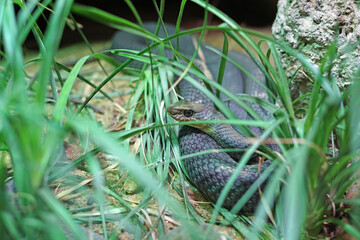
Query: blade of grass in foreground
[[51, 43]]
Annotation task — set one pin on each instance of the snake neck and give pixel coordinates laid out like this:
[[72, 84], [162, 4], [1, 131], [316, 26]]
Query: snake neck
[[227, 136], [224, 134]]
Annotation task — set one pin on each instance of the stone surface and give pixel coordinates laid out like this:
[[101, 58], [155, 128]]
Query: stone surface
[[311, 26]]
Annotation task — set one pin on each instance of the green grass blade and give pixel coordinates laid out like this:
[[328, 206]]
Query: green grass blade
[[52, 40], [65, 92], [222, 64]]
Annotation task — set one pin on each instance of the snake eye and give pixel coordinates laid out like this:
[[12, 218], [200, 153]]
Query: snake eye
[[188, 113]]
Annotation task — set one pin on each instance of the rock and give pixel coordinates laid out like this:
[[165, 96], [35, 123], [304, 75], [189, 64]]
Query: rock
[[130, 186], [311, 27]]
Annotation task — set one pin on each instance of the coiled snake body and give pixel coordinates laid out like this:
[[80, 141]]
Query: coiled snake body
[[210, 172]]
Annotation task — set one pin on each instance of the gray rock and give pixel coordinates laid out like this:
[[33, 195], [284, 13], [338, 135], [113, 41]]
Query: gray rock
[[311, 27]]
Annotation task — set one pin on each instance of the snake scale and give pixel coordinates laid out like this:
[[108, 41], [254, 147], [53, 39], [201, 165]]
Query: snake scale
[[210, 172]]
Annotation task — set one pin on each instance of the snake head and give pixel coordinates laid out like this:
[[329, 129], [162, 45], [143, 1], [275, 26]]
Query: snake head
[[184, 111]]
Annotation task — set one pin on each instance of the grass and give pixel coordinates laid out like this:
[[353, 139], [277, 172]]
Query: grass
[[317, 165]]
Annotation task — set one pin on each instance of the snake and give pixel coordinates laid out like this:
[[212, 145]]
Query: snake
[[210, 172]]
